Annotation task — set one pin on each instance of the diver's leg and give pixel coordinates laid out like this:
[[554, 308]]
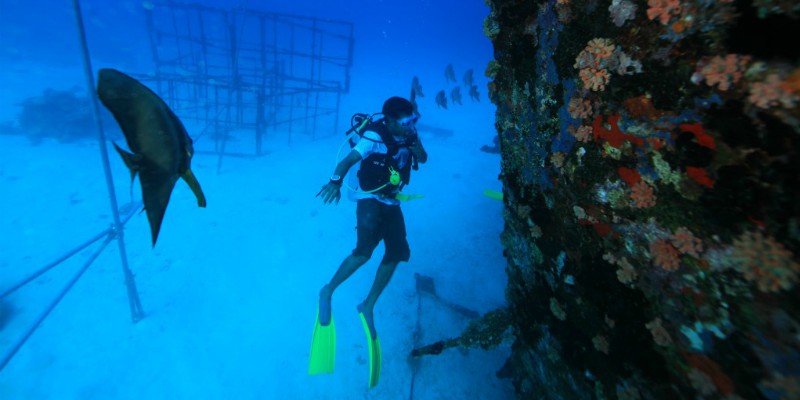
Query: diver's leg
[[368, 217], [350, 265], [368, 237], [382, 278], [346, 269], [397, 250]]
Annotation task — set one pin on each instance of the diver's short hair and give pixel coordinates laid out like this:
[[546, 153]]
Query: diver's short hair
[[397, 107]]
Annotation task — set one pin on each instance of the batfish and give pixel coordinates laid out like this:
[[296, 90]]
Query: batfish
[[449, 73], [468, 81], [441, 99], [473, 93], [416, 88], [455, 95], [161, 149]]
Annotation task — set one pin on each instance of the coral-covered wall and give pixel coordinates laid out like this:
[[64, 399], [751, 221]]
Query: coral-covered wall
[[651, 178]]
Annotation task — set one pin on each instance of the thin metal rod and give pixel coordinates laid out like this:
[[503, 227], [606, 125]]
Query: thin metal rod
[[13, 350], [57, 261], [109, 235], [131, 211], [133, 295]]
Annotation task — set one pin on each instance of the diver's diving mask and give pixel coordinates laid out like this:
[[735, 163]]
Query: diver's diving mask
[[408, 122]]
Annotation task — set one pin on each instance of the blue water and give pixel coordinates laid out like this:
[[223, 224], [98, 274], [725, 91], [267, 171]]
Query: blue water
[[230, 291]]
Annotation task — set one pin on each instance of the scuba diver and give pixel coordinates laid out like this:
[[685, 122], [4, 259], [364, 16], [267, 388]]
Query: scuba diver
[[387, 150]]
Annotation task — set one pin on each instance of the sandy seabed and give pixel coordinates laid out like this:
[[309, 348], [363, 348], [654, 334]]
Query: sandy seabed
[[230, 291]]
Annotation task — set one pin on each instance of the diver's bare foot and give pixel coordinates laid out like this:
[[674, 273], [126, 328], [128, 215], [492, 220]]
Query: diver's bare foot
[[369, 318], [325, 306]]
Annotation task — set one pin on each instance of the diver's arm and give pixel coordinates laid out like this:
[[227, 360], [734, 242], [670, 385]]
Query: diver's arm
[[330, 193], [347, 163], [419, 152]]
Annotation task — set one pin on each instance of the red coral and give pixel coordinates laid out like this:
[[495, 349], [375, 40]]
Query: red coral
[[698, 298], [630, 176], [602, 229], [700, 176], [721, 380], [703, 138], [656, 143], [614, 136], [642, 107]]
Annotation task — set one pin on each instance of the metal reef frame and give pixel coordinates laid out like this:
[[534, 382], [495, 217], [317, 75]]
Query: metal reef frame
[[246, 69]]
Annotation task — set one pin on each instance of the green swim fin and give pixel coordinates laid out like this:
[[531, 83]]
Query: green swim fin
[[323, 348], [407, 197], [493, 194], [374, 346]]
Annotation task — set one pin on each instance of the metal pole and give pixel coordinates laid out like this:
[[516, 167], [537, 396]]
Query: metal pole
[[260, 95], [133, 295], [336, 114], [154, 38]]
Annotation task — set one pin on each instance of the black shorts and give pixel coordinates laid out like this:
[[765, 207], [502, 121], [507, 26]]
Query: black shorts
[[378, 221]]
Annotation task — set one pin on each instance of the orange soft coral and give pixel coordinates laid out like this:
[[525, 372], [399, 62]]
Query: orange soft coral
[[642, 195], [664, 255], [686, 242], [595, 79], [593, 62], [764, 261], [772, 92], [600, 48], [724, 72], [579, 108], [663, 10]]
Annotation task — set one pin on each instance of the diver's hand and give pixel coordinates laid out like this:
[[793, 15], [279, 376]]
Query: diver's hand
[[330, 193], [418, 151]]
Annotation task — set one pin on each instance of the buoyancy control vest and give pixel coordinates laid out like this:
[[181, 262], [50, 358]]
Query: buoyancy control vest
[[380, 172]]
